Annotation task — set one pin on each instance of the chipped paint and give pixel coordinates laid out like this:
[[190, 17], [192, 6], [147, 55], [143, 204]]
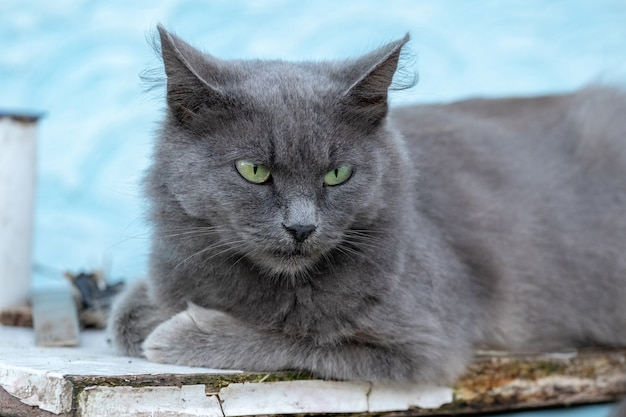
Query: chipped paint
[[185, 401], [48, 391], [90, 381], [294, 397]]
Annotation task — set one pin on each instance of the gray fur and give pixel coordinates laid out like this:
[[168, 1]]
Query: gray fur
[[483, 223]]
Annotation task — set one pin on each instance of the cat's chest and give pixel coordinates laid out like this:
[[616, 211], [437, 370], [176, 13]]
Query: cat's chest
[[323, 306], [322, 313], [318, 314]]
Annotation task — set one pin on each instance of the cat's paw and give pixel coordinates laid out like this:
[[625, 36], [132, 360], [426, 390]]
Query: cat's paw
[[162, 344], [184, 339], [133, 316], [212, 339]]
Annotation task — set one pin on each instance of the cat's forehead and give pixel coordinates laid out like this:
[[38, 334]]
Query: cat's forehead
[[293, 107], [286, 82], [293, 137]]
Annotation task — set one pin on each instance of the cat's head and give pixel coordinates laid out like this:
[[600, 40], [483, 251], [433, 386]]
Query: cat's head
[[286, 162]]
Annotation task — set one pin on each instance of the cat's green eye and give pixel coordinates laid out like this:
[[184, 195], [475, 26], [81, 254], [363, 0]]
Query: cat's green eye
[[338, 175], [257, 174]]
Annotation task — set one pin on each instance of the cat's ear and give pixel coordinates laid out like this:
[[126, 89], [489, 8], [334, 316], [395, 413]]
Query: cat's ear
[[192, 79], [371, 76]]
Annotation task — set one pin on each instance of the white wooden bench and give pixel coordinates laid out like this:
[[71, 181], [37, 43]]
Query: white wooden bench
[[90, 380]]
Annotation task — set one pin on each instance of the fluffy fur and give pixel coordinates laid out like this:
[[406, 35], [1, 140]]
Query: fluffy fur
[[483, 223]]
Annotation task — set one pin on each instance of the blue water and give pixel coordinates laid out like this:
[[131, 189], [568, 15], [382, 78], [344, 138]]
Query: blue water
[[78, 61]]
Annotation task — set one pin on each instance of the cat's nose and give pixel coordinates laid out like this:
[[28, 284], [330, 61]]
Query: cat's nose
[[300, 231]]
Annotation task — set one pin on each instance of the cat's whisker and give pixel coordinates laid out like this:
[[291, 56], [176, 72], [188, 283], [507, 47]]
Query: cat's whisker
[[239, 259], [365, 243], [229, 247], [368, 242], [365, 232], [346, 250], [192, 232], [357, 250], [192, 228], [361, 256], [329, 263], [362, 243]]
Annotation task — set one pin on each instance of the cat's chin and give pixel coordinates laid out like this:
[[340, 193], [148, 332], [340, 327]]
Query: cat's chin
[[287, 264]]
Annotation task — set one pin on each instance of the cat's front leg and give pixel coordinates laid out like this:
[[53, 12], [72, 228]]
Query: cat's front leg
[[133, 317], [209, 338]]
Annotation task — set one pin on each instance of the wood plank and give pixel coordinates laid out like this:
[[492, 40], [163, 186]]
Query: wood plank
[[496, 382], [55, 318]]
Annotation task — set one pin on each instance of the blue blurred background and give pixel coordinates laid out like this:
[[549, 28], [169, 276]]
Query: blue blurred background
[[78, 61]]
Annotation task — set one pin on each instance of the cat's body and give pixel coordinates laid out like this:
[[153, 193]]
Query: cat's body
[[485, 223]]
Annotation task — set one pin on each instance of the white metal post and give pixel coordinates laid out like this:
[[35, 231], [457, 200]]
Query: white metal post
[[18, 145]]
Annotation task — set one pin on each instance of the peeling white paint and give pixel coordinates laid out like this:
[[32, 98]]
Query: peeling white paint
[[48, 391], [265, 398], [36, 375], [186, 401], [294, 397]]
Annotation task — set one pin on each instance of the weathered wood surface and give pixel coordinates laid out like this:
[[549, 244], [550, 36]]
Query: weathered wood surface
[[55, 318], [91, 381]]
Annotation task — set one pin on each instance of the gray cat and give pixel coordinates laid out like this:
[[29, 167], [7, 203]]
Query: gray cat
[[299, 224]]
